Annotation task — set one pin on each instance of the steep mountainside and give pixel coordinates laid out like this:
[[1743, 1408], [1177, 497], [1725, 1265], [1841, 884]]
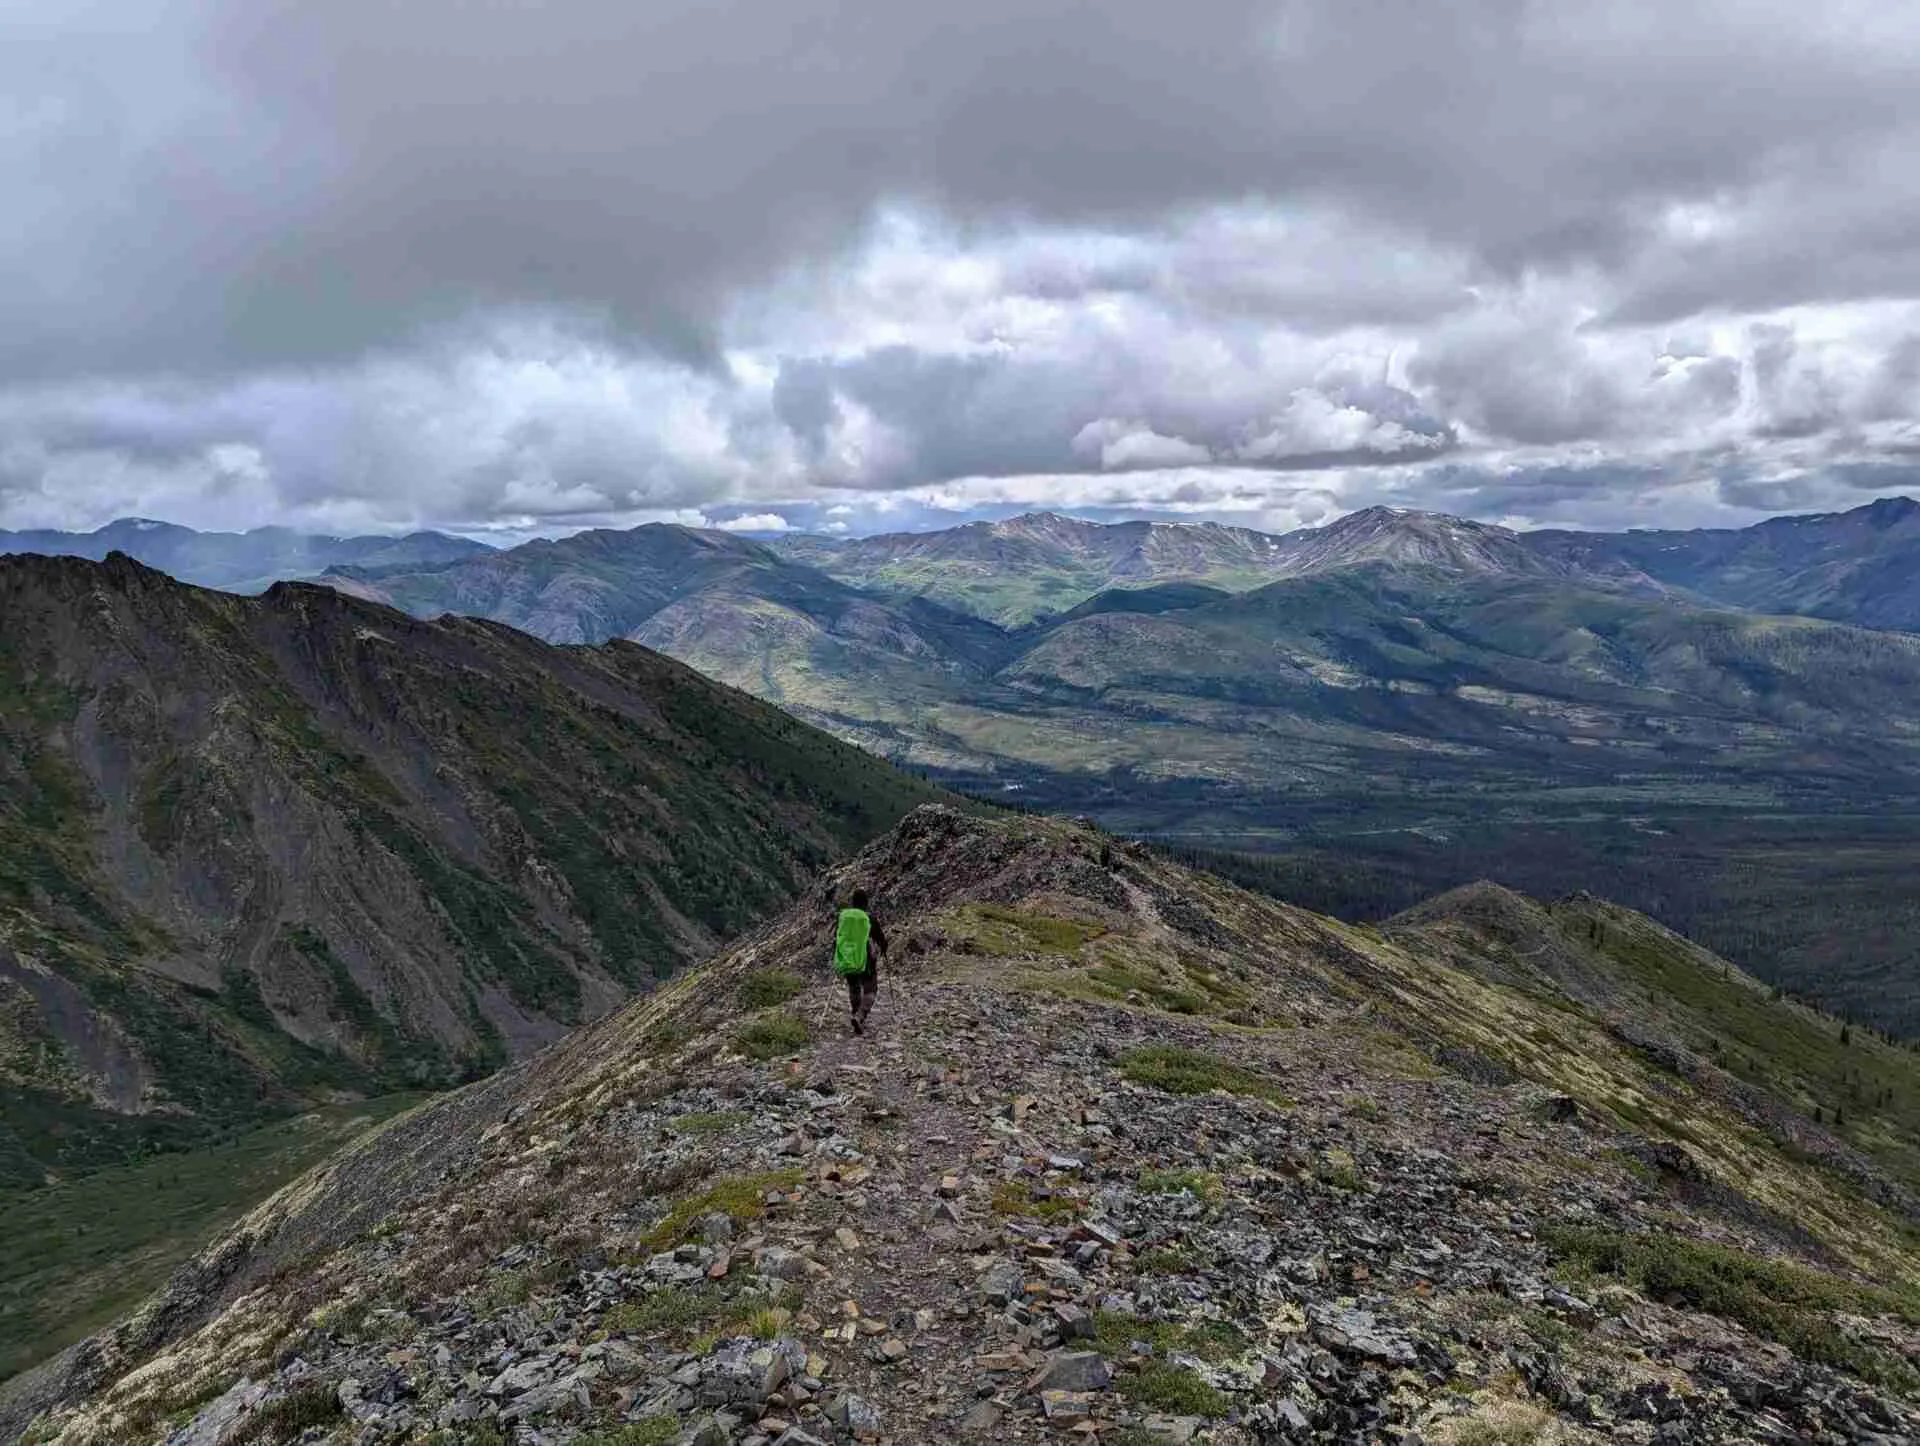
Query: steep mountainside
[[242, 561], [1861, 566], [1129, 1153], [258, 849], [595, 585]]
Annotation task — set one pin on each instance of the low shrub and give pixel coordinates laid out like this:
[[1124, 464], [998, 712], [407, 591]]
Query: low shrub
[[1181, 1071], [770, 986], [772, 1035]]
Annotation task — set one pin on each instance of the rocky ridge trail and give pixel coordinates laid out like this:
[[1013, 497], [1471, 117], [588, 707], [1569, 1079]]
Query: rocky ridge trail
[[1127, 1156]]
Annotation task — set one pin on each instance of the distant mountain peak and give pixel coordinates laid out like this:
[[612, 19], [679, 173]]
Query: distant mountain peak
[[1045, 523], [1886, 510], [138, 524], [1403, 537]]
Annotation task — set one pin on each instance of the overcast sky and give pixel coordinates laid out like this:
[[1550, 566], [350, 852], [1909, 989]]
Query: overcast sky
[[519, 267]]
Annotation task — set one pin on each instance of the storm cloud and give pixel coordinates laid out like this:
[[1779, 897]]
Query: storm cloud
[[495, 265]]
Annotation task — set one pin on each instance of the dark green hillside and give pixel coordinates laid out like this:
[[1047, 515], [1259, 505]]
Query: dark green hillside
[[255, 852], [1165, 597]]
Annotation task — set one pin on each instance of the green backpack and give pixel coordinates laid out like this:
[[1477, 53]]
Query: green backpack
[[850, 942]]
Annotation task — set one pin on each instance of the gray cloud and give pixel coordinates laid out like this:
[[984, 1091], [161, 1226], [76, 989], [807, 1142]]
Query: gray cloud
[[274, 179], [490, 264]]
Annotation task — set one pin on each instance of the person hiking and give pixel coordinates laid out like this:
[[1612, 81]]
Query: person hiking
[[856, 941]]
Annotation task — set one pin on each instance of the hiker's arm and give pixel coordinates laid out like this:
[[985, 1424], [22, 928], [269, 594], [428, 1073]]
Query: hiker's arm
[[878, 937]]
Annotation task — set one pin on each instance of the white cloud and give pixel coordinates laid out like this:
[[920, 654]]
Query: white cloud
[[1122, 446], [1313, 424], [755, 522], [1068, 369]]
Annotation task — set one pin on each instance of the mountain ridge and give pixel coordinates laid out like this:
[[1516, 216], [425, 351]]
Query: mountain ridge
[[1417, 689], [1843, 566], [1127, 1146], [1443, 704]]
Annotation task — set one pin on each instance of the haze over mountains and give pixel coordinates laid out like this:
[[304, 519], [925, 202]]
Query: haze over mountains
[[241, 561]]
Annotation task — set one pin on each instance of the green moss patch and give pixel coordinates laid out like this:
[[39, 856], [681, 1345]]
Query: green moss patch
[[1001, 930], [653, 1431], [1181, 1071], [1014, 1197], [285, 1419], [1174, 1389], [739, 1197], [1200, 1184], [1115, 1333]]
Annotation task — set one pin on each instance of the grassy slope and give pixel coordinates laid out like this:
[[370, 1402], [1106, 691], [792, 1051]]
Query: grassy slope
[[1864, 1088], [79, 1254]]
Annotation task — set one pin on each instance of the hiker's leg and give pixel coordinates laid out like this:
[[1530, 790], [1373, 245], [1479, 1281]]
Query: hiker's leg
[[854, 981], [869, 989]]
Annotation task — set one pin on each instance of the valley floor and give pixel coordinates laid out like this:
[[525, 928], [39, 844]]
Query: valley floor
[[82, 1252]]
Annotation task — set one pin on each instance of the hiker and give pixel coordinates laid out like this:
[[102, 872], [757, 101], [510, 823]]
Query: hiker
[[855, 942]]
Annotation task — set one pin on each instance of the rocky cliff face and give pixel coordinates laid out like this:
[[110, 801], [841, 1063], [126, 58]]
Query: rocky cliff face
[[1128, 1154], [259, 849]]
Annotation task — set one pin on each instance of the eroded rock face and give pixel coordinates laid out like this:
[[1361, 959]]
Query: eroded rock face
[[1088, 1172]]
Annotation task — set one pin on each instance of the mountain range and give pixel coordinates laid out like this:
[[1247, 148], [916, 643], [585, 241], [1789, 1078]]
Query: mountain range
[[241, 561], [1861, 566], [1128, 1154], [1524, 640], [1391, 704], [262, 851], [1041, 564], [1394, 703]]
